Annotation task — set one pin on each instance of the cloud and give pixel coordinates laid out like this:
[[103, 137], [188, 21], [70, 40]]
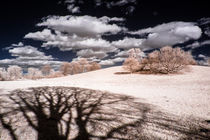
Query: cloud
[[122, 2], [73, 9], [18, 45], [80, 4], [110, 62], [107, 62], [44, 35], [88, 53], [118, 59], [28, 52], [78, 33], [122, 54], [203, 60], [28, 56], [169, 34], [127, 43], [84, 26], [198, 44]]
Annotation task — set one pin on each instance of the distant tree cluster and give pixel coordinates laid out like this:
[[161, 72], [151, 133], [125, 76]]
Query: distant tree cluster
[[166, 60], [12, 73], [80, 66], [75, 67]]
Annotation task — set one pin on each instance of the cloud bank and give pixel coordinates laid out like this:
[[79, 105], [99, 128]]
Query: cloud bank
[[28, 56]]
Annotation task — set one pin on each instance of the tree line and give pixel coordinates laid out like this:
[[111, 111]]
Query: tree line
[[15, 72]]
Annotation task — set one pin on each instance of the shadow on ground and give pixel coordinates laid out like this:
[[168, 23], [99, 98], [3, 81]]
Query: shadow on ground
[[61, 113]]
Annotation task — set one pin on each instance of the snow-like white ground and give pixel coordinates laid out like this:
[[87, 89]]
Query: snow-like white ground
[[186, 94]]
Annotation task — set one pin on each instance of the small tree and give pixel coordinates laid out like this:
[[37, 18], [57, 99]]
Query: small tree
[[76, 67], [83, 62], [131, 64], [3, 74], [208, 61], [34, 73], [46, 69], [136, 53], [93, 66], [66, 68], [14, 72]]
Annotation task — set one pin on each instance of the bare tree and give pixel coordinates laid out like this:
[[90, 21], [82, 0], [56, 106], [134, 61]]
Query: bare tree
[[34, 73], [46, 69], [14, 72]]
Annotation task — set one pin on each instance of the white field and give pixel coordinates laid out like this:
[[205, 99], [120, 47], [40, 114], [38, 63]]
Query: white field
[[186, 94]]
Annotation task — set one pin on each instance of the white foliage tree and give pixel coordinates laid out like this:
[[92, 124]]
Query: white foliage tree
[[14, 72], [3, 74], [34, 73]]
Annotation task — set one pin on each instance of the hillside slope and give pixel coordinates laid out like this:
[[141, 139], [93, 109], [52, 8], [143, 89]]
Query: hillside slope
[[186, 94]]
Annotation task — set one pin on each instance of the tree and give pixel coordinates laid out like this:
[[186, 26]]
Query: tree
[[208, 61], [93, 66], [76, 67], [46, 69], [34, 73], [3, 74], [66, 68], [166, 60], [14, 72], [131, 64], [136, 53], [83, 62]]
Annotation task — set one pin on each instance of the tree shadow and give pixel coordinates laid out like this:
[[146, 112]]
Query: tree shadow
[[61, 113]]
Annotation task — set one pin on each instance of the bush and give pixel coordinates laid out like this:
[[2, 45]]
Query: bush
[[166, 60]]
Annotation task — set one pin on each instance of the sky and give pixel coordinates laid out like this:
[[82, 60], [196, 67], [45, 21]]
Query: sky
[[38, 32]]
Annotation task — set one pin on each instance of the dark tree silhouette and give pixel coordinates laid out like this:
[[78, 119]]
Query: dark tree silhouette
[[61, 113]]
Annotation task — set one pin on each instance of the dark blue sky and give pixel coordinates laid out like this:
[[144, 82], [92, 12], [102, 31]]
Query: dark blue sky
[[18, 18]]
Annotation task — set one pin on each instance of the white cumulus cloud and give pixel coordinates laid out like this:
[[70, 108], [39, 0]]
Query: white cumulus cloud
[[81, 25], [169, 34]]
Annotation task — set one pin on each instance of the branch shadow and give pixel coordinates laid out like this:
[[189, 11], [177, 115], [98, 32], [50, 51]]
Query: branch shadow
[[61, 113]]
